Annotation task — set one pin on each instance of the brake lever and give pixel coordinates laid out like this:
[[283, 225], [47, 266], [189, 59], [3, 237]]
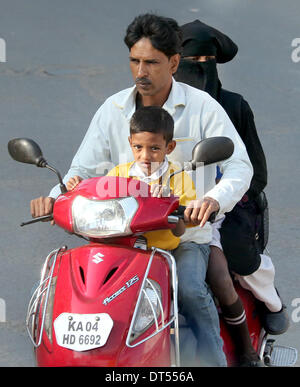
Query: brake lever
[[38, 219]]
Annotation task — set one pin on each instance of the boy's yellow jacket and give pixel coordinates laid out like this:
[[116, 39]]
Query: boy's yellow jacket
[[181, 185]]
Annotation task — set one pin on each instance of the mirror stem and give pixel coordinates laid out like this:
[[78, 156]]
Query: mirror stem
[[190, 166], [172, 174], [61, 184]]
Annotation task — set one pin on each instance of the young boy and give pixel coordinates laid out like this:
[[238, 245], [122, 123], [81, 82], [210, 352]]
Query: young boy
[[151, 140]]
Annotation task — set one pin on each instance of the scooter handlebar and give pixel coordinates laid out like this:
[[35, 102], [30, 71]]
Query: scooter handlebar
[[180, 214]]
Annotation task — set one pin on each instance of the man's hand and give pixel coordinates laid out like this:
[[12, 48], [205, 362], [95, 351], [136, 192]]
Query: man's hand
[[198, 211], [41, 206]]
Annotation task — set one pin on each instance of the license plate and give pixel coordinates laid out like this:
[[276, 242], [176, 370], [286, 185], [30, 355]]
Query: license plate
[[82, 332]]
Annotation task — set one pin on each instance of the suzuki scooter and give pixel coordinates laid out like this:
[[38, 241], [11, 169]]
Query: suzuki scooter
[[112, 302]]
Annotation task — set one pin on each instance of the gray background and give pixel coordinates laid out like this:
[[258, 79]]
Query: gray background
[[64, 57]]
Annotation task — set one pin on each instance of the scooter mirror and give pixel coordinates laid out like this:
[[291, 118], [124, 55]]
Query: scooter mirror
[[212, 150], [26, 150]]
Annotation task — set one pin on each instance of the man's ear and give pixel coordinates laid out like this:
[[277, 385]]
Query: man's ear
[[129, 139], [174, 61], [171, 146]]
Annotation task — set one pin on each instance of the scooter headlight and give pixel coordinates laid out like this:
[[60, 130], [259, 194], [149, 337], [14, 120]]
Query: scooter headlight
[[149, 308], [103, 218]]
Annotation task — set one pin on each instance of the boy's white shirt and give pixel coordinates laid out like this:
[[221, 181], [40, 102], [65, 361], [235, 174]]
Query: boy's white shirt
[[135, 170]]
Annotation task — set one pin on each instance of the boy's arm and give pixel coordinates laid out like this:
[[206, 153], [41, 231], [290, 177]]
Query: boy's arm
[[183, 186], [113, 172], [73, 182]]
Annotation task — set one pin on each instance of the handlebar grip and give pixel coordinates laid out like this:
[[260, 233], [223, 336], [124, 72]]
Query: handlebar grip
[[180, 213], [212, 217]]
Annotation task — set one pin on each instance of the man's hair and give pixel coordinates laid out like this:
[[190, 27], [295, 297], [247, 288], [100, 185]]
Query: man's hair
[[164, 33], [152, 119]]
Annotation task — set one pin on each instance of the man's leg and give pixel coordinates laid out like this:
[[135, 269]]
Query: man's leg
[[196, 303]]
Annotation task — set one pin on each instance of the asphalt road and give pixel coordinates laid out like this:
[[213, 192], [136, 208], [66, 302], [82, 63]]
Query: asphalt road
[[64, 57]]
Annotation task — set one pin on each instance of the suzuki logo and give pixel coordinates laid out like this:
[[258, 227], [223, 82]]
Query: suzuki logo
[[98, 258]]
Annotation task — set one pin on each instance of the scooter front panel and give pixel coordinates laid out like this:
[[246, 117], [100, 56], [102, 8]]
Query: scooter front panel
[[102, 279]]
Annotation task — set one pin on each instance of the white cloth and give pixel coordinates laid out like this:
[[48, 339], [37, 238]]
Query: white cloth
[[261, 284], [135, 170], [196, 116]]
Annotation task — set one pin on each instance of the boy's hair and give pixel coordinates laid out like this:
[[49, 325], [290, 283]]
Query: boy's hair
[[164, 33], [152, 119]]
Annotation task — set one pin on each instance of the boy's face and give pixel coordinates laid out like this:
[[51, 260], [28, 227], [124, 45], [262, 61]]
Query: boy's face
[[149, 150]]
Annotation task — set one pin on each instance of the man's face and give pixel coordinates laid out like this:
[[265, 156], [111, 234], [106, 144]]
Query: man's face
[[151, 69], [149, 150]]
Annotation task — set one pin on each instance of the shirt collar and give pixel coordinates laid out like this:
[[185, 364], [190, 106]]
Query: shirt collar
[[126, 100], [136, 171], [176, 98]]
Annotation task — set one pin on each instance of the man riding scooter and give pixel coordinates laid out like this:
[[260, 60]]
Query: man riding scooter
[[154, 45]]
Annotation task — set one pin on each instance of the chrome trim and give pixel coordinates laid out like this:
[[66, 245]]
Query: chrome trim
[[158, 298], [174, 307], [172, 265], [152, 308], [262, 341], [173, 219], [36, 299], [140, 243]]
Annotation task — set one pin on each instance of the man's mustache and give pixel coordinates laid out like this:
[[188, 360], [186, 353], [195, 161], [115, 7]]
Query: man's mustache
[[142, 80]]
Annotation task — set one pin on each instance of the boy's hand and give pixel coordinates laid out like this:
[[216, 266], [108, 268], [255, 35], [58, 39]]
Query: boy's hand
[[158, 191], [198, 211], [73, 182]]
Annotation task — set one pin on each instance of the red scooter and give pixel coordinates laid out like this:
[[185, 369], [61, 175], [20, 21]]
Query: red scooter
[[113, 302]]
